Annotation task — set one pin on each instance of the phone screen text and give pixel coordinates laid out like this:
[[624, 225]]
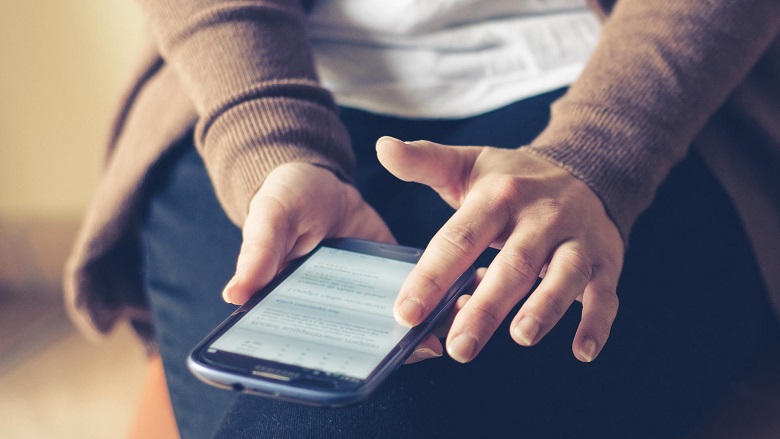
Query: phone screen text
[[333, 314]]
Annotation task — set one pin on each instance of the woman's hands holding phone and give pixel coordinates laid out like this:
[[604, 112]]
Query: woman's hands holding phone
[[546, 223], [544, 220]]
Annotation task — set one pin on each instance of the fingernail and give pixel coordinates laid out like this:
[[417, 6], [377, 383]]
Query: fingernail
[[410, 312], [425, 354], [527, 329], [226, 292], [462, 348], [588, 350], [389, 138]]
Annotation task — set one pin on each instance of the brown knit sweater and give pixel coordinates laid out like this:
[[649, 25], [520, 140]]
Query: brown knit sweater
[[242, 73]]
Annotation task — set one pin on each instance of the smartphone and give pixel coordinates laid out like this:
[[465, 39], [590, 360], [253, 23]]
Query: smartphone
[[322, 332]]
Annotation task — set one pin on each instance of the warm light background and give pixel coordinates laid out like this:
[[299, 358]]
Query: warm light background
[[62, 65]]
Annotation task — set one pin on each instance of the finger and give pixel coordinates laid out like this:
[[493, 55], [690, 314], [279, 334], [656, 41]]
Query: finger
[[599, 308], [510, 276], [443, 328], [451, 251], [429, 348], [266, 237], [568, 274], [426, 349], [446, 169]]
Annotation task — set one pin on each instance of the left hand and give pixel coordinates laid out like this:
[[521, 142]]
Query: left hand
[[296, 207], [540, 216]]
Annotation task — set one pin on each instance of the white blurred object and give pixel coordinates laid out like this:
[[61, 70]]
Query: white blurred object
[[448, 58]]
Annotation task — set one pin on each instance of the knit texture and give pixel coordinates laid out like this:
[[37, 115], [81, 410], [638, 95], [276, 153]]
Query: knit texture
[[250, 73], [657, 75], [242, 73]]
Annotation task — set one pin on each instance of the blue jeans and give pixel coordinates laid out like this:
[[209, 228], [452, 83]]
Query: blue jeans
[[693, 311]]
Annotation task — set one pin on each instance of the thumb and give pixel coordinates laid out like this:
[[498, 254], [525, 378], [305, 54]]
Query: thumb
[[444, 168], [266, 237]]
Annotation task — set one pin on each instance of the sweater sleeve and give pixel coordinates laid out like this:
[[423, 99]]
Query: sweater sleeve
[[248, 68], [659, 71]]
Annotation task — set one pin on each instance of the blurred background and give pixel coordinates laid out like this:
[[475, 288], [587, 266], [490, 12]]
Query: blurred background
[[63, 66]]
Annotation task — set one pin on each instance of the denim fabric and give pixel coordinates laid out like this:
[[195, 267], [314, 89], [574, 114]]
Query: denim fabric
[[693, 311]]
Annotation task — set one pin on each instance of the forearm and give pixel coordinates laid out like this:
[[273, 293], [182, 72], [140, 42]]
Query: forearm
[[658, 73], [249, 71]]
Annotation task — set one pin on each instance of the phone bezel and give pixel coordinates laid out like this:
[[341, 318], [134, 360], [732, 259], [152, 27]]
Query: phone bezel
[[311, 386]]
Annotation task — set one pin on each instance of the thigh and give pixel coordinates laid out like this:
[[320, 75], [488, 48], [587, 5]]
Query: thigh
[[190, 249], [693, 313]]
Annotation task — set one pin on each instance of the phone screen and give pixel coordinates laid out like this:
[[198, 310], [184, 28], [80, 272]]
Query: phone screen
[[333, 314]]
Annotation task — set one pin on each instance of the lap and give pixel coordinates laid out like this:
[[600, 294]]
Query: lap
[[692, 311]]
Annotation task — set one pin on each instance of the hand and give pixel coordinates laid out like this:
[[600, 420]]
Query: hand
[[544, 220], [297, 206]]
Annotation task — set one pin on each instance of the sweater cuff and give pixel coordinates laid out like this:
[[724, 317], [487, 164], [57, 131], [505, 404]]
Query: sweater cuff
[[249, 139], [623, 158]]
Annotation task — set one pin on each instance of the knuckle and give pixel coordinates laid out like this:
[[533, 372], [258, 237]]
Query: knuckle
[[549, 218], [508, 194], [574, 262], [508, 188], [607, 297], [427, 281], [555, 216], [554, 305], [612, 260], [519, 265], [460, 239], [485, 315], [553, 209]]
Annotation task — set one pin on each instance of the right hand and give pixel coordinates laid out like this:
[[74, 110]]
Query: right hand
[[540, 216], [297, 206]]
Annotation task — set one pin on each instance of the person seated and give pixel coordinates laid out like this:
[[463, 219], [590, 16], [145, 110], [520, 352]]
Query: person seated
[[230, 147]]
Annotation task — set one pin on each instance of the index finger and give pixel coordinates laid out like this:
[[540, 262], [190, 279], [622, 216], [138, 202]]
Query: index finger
[[451, 251]]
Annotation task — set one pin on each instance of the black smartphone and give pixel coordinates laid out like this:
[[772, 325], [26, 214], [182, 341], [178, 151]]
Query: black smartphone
[[322, 332]]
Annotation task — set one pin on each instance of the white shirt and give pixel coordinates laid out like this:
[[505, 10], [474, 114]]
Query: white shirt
[[448, 58]]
